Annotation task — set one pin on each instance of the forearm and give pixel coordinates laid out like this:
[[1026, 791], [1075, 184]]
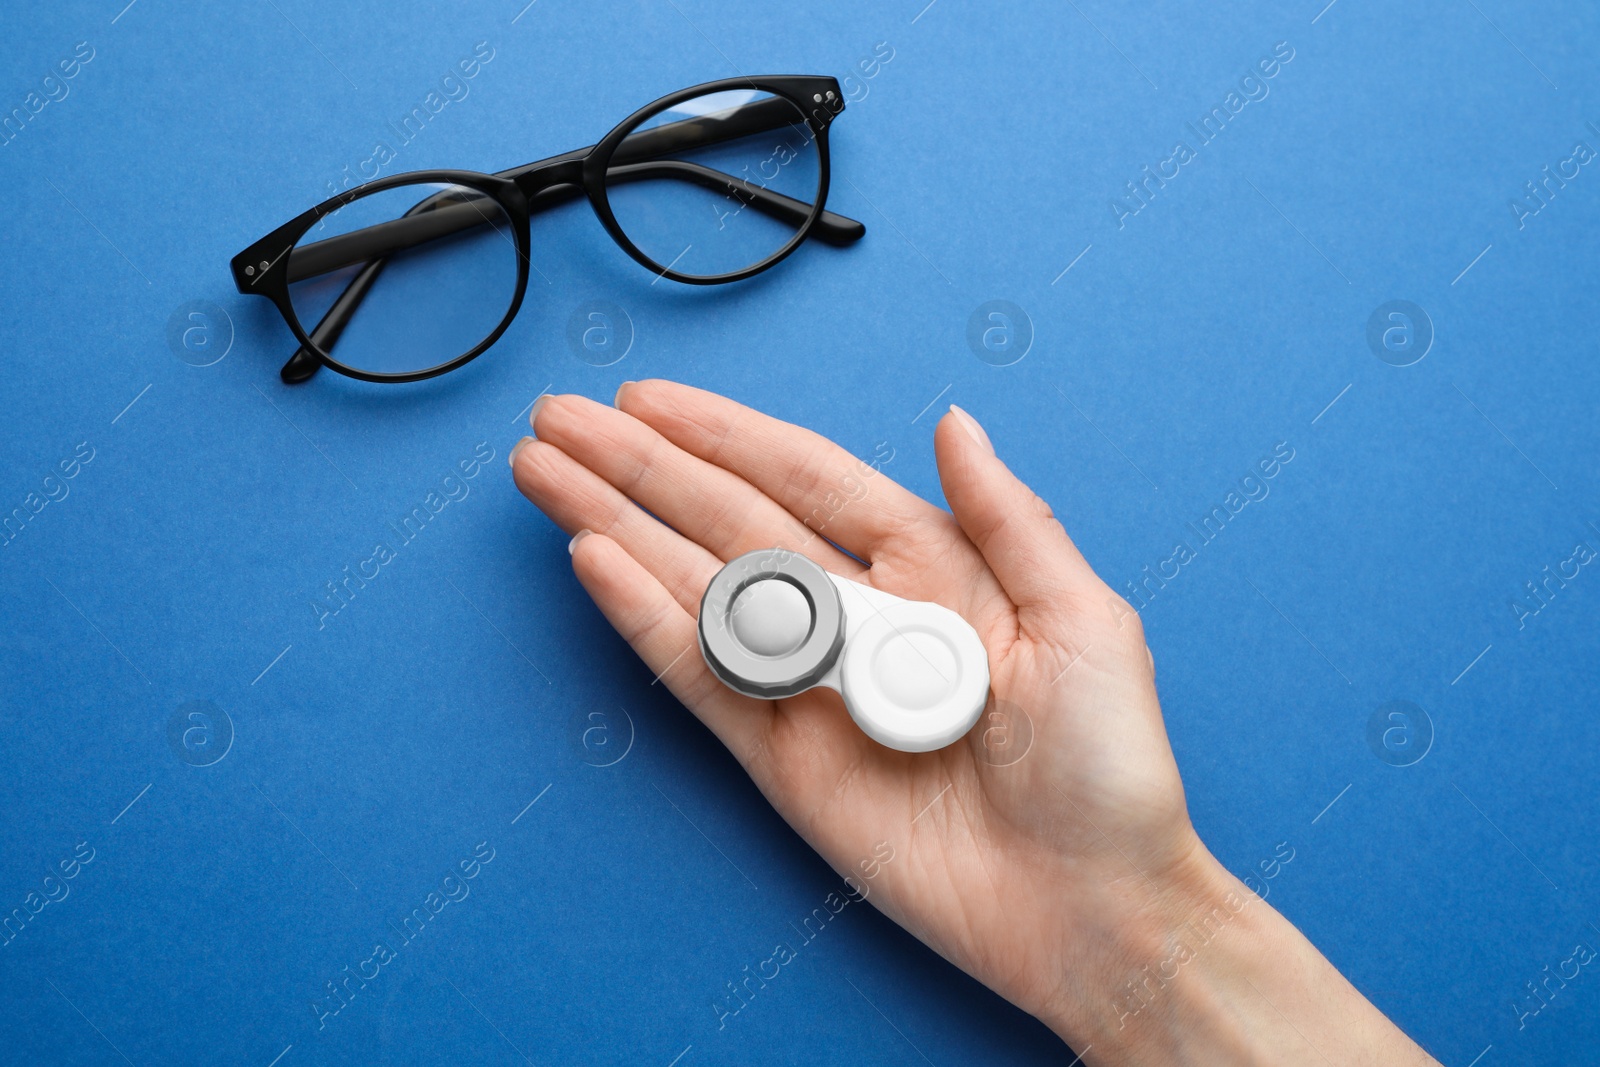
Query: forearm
[[1199, 970]]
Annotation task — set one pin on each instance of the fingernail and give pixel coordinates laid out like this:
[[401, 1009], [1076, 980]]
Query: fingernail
[[970, 424], [518, 447], [533, 414], [572, 545], [616, 401]]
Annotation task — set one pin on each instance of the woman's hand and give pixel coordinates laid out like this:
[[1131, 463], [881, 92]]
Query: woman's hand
[[1050, 853]]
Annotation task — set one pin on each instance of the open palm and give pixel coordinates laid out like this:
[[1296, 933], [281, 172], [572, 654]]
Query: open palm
[[1064, 802]]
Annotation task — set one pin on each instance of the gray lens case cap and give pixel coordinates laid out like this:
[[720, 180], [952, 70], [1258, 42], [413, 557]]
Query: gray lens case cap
[[771, 624], [914, 675]]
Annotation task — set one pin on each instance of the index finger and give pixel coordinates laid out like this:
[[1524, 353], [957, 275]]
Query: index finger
[[845, 499]]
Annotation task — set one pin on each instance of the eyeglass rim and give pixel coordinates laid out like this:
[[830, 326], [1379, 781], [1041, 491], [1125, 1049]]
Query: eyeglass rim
[[274, 281], [791, 88]]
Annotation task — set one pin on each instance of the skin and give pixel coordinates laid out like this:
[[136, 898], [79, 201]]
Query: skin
[[1070, 881]]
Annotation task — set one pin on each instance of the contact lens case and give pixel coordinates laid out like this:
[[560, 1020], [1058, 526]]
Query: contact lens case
[[914, 675]]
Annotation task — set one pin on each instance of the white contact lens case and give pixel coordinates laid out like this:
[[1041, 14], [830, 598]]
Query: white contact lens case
[[914, 675]]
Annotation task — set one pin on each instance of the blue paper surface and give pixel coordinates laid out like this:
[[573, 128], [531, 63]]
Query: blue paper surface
[[253, 794]]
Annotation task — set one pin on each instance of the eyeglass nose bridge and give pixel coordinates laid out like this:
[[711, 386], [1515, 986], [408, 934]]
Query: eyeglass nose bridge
[[565, 170]]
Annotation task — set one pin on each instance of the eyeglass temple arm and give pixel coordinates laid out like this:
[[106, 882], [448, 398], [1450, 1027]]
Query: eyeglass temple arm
[[427, 220], [333, 253], [702, 131], [303, 364]]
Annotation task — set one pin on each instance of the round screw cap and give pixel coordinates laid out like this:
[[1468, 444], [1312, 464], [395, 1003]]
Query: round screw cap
[[915, 676], [771, 624]]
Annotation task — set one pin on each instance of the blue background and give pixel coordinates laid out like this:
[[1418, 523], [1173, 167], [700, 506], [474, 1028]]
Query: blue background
[[1186, 341]]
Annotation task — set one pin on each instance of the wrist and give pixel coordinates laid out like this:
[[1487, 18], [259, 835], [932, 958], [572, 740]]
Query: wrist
[[1191, 967], [1125, 988]]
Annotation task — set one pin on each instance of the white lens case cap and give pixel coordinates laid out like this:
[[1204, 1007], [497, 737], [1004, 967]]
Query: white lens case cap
[[914, 675]]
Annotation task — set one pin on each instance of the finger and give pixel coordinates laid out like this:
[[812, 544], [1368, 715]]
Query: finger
[[576, 499], [663, 634], [1027, 549], [847, 500], [710, 506]]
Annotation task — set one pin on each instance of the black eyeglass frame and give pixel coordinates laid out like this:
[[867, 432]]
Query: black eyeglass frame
[[262, 269]]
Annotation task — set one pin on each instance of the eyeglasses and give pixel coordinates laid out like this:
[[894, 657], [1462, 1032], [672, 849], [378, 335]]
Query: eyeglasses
[[711, 184]]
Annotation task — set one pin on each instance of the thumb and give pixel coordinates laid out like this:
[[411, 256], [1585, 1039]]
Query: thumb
[[1027, 549]]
